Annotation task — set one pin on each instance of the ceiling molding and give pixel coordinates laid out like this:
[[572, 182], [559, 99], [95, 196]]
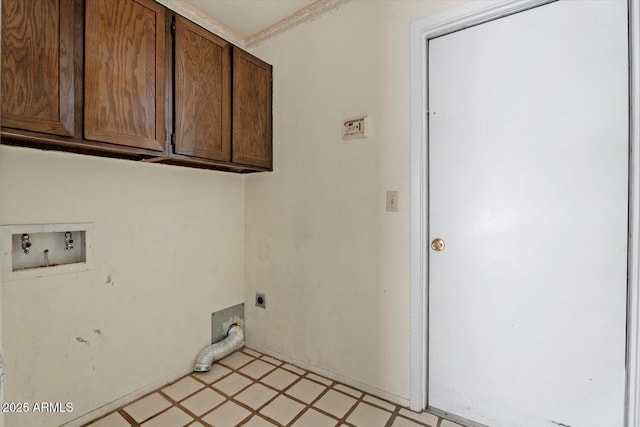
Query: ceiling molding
[[199, 17], [308, 13]]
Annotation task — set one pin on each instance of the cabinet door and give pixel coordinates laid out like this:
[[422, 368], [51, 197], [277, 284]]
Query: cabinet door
[[125, 73], [202, 93], [37, 65], [251, 110]]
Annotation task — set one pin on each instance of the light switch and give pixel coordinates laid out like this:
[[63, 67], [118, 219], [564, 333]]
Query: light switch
[[392, 201]]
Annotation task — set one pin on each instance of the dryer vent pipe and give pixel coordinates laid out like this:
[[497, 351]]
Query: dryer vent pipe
[[232, 342]]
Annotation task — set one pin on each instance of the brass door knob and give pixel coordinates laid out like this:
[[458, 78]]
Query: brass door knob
[[437, 244]]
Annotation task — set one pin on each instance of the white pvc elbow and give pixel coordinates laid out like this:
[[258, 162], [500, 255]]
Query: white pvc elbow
[[232, 342]]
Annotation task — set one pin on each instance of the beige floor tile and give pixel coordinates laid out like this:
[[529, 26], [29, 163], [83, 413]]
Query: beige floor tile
[[335, 403], [182, 388], [403, 422], [423, 417], [256, 421], [305, 390], [214, 374], [172, 417], [227, 415], [203, 401], [232, 384], [366, 415], [313, 418], [251, 352], [147, 407], [255, 396], [293, 369], [112, 420], [257, 369], [282, 409], [280, 379], [318, 378], [196, 424], [386, 405], [447, 423], [236, 360], [350, 391], [271, 360]]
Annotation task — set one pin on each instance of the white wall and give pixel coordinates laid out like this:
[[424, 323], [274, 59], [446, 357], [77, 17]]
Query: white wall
[[170, 239], [333, 264]]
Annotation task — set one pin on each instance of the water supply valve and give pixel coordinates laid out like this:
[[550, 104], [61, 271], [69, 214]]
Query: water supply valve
[[26, 244], [68, 241]]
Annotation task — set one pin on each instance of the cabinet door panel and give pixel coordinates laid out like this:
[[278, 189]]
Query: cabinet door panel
[[202, 93], [124, 73], [37, 65], [251, 111]]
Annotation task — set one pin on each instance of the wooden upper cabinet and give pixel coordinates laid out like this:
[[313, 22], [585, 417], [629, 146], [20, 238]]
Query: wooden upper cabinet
[[124, 74], [106, 77], [37, 66], [252, 122], [202, 84]]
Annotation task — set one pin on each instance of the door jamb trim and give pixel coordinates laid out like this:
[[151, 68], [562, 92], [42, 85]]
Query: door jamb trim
[[632, 392], [455, 19]]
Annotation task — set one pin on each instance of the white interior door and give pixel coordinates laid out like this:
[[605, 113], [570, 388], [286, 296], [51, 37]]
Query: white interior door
[[528, 188]]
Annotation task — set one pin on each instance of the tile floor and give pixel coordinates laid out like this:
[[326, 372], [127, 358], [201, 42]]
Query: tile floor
[[251, 389]]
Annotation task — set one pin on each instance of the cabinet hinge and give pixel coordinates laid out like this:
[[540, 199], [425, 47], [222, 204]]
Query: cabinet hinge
[[173, 28], [173, 139]]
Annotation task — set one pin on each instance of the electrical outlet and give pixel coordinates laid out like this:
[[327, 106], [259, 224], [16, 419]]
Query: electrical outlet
[[261, 301], [392, 201]]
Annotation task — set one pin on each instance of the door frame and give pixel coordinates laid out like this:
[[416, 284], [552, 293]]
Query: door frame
[[454, 19]]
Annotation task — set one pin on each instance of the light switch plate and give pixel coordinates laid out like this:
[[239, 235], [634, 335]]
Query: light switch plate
[[392, 201]]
